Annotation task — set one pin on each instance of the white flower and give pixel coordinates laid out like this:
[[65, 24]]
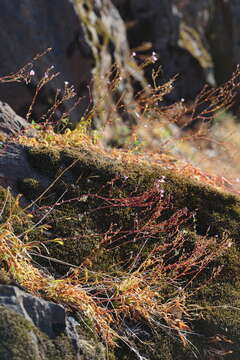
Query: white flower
[[32, 73], [162, 179], [154, 57]]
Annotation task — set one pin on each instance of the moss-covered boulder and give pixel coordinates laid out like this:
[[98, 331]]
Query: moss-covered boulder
[[94, 194], [21, 340], [107, 214]]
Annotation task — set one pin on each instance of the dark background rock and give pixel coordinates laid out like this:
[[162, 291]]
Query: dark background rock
[[183, 33], [217, 22], [158, 23], [30, 27], [210, 28]]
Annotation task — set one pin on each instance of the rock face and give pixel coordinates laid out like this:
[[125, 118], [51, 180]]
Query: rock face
[[157, 24], [11, 123], [29, 28], [217, 22], [217, 214], [199, 40], [64, 25], [35, 329], [14, 165], [187, 36], [105, 33]]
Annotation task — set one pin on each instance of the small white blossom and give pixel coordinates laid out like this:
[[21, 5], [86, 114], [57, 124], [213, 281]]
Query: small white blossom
[[162, 179], [32, 73], [154, 57]]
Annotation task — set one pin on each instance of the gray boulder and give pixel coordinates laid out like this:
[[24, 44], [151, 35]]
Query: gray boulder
[[14, 166]]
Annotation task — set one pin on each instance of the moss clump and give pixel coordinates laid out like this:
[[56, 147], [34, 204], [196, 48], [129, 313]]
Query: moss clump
[[4, 277], [152, 344], [46, 160], [216, 212], [31, 187]]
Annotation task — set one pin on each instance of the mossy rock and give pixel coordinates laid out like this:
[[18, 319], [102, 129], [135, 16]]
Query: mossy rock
[[92, 190], [19, 340], [86, 209]]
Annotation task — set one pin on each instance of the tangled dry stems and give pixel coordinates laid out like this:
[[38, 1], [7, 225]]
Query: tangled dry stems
[[156, 286]]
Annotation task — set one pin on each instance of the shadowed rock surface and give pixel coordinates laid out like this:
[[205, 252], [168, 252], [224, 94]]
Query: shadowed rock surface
[[217, 22], [12, 124], [29, 28], [198, 40], [158, 25]]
